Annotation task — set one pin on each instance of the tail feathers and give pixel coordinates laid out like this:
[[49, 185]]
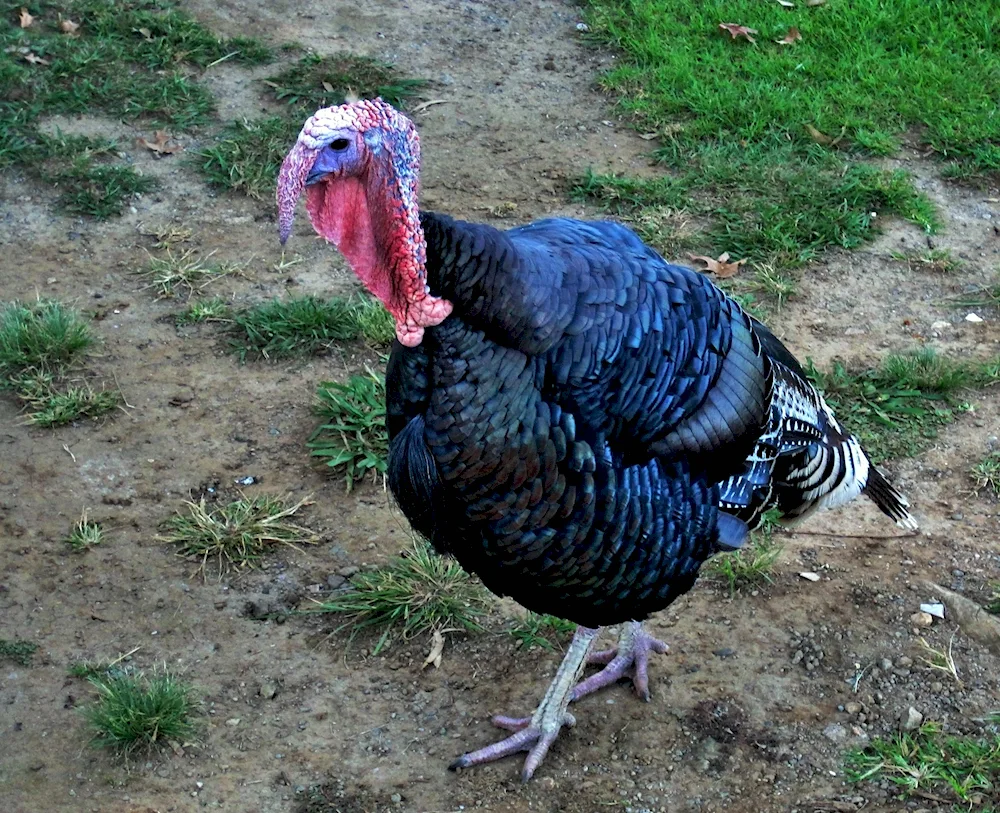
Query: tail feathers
[[893, 504]]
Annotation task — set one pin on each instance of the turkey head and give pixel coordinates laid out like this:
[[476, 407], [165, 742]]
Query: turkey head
[[359, 166]]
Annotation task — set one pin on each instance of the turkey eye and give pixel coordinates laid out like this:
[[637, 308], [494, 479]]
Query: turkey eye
[[339, 144]]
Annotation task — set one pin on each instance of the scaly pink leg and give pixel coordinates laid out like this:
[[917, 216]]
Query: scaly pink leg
[[629, 659], [536, 733]]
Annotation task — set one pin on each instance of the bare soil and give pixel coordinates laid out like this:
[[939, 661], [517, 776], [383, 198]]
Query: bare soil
[[294, 717]]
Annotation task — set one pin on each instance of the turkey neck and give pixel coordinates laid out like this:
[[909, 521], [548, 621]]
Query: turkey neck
[[495, 287]]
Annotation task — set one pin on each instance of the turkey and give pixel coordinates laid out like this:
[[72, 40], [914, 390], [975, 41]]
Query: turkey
[[572, 418]]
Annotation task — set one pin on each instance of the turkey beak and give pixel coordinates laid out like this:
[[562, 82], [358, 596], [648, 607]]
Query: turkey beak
[[296, 172]]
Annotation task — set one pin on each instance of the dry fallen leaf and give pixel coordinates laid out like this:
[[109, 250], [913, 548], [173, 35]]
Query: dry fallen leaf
[[736, 30], [721, 267], [791, 37], [822, 138], [328, 87], [160, 143], [25, 19], [813, 3], [437, 648], [68, 26], [786, 4], [35, 59], [146, 33]]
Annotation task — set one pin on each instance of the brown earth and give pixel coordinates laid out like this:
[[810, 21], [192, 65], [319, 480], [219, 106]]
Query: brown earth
[[738, 720]]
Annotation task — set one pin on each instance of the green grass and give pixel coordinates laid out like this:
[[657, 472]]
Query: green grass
[[961, 768], [534, 630], [933, 259], [768, 144], [778, 207], [897, 409], [249, 153], [18, 650], [48, 405], [235, 535], [880, 73], [986, 473], [749, 567], [305, 325], [171, 274], [416, 593], [129, 59], [135, 713], [85, 534], [215, 309], [352, 436], [987, 297], [43, 336]]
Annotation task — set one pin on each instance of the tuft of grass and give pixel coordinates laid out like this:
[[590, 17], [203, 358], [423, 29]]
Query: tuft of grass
[[418, 592], [135, 713], [941, 660], [248, 154], [988, 296], [85, 534], [353, 434], [992, 605], [927, 761], [533, 630], [18, 650], [129, 59], [59, 407], [933, 259], [235, 535], [43, 335], [171, 274], [773, 284], [304, 325], [897, 409], [215, 309], [322, 81], [986, 473], [749, 567]]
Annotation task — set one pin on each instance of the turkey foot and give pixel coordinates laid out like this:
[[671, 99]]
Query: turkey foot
[[536, 734], [629, 659]]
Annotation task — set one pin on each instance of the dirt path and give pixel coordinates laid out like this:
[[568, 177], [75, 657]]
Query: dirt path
[[739, 720]]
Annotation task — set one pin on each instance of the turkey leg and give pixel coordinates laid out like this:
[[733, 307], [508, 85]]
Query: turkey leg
[[536, 733]]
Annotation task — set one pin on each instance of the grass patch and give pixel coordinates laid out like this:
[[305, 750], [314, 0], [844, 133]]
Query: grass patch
[[215, 309], [963, 767], [986, 474], [749, 567], [85, 534], [135, 713], [173, 274], [49, 406], [418, 592], [876, 73], [897, 409], [769, 142], [534, 630], [43, 335], [304, 325], [102, 667], [776, 208], [940, 260], [18, 650], [249, 153], [129, 59], [235, 535], [353, 435]]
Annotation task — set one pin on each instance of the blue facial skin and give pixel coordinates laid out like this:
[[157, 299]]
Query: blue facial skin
[[336, 157]]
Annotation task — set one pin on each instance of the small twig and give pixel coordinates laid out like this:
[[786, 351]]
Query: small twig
[[851, 536], [121, 393], [70, 453], [221, 59]]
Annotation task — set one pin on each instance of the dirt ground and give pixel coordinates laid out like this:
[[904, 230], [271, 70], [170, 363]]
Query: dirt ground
[[739, 721]]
